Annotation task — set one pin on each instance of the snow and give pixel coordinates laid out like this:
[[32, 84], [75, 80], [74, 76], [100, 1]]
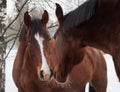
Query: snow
[[113, 83], [10, 9], [9, 84]]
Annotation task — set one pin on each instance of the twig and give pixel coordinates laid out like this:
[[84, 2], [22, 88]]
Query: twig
[[15, 17], [12, 45], [9, 40], [49, 5], [6, 37], [32, 9], [51, 26], [13, 29]]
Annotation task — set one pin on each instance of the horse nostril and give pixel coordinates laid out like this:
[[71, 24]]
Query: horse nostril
[[41, 74]]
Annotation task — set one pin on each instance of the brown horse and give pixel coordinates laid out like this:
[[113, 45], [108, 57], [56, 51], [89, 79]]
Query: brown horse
[[31, 56], [95, 23], [92, 69]]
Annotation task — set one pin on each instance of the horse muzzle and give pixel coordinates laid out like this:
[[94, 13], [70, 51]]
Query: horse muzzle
[[46, 76]]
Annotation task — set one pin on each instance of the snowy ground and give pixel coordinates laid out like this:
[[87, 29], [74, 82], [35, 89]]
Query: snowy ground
[[113, 84]]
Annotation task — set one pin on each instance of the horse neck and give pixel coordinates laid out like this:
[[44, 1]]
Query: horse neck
[[102, 30], [100, 42], [18, 63], [20, 52], [107, 5], [109, 1]]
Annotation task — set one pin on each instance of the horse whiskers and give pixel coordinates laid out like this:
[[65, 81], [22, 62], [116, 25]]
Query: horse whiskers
[[66, 84]]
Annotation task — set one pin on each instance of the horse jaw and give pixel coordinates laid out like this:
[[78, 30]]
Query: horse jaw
[[63, 84]]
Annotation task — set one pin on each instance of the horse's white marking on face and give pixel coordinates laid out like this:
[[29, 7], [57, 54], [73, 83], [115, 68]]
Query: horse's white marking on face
[[45, 67]]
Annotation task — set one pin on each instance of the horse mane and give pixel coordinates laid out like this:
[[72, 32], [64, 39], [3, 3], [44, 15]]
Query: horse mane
[[23, 33], [35, 27], [83, 13]]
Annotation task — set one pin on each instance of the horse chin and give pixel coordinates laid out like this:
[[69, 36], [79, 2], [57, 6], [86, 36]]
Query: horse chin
[[46, 79], [61, 82]]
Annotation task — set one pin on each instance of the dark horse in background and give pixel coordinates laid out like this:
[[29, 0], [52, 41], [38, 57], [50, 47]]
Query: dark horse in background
[[37, 50], [95, 23]]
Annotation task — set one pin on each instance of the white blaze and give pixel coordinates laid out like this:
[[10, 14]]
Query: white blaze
[[45, 67]]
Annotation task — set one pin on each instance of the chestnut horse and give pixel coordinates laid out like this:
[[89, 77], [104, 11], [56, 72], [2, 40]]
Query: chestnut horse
[[95, 23], [31, 56]]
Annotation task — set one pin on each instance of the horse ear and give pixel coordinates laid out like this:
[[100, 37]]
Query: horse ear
[[45, 17], [27, 19], [59, 13]]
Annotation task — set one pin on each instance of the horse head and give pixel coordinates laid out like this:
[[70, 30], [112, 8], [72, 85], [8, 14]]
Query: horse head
[[68, 51], [38, 47]]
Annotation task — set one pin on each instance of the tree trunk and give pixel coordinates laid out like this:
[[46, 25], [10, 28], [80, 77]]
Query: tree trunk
[[2, 45]]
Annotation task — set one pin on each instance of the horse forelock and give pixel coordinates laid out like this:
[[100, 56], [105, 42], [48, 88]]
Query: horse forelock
[[38, 27], [35, 26]]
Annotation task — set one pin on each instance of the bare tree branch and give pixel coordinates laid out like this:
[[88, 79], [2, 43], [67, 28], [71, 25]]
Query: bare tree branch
[[6, 37], [15, 17], [15, 39], [9, 40], [13, 29], [52, 25]]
